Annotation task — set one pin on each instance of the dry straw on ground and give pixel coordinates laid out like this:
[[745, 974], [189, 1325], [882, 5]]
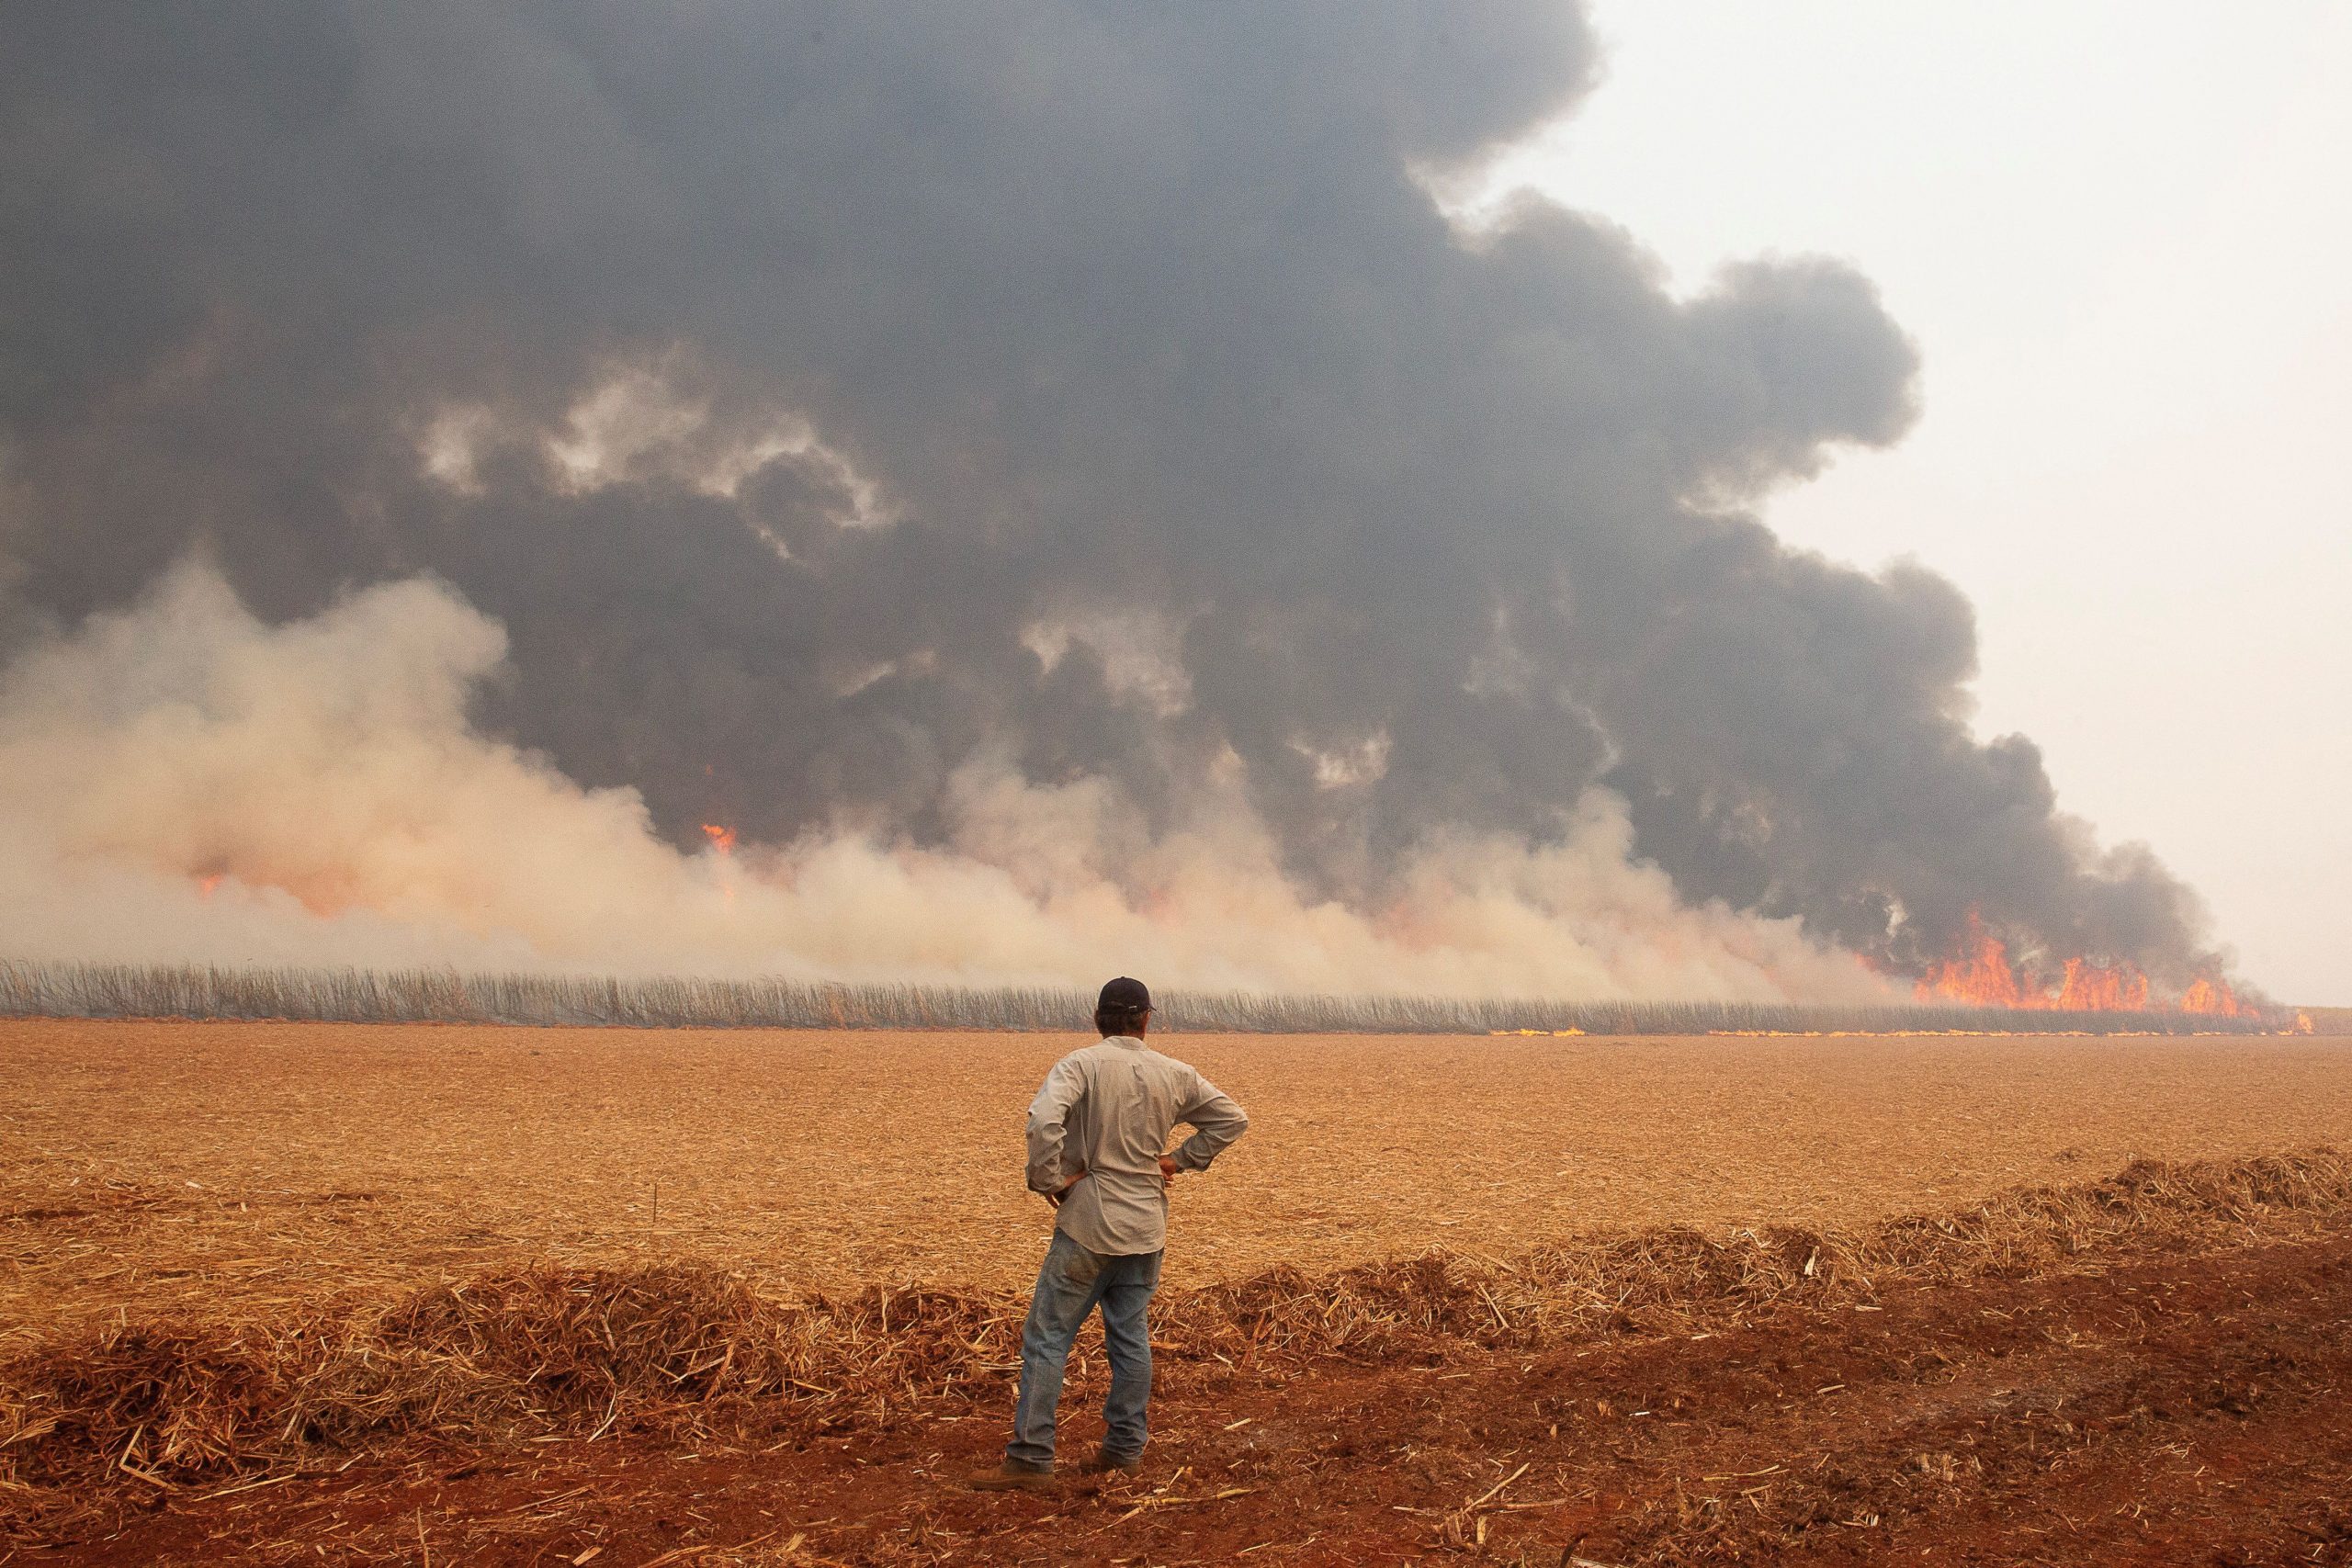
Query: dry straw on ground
[[692, 1353], [239, 1172]]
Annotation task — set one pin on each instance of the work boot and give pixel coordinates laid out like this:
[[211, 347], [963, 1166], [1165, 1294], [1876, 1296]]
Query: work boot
[[1014, 1476], [1105, 1462]]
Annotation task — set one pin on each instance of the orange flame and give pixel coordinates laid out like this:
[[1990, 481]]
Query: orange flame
[[2092, 987], [2215, 997], [721, 839], [206, 885], [1981, 974]]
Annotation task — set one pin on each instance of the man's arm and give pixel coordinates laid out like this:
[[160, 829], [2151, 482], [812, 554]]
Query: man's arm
[[1048, 1115], [1216, 1122]]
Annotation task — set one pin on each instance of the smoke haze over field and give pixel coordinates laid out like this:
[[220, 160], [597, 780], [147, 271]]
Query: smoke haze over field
[[313, 793], [1047, 477]]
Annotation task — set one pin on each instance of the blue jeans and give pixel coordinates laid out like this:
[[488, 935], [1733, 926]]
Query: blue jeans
[[1069, 1285]]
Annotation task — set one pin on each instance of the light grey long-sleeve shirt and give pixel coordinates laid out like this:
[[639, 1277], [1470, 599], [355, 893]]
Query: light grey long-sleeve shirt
[[1107, 1110]]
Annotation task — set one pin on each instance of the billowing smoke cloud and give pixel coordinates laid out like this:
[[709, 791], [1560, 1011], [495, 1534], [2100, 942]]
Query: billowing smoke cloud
[[314, 790], [1047, 477]]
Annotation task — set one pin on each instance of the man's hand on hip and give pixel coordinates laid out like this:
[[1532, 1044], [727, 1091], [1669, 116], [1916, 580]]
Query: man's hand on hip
[[1056, 1197], [1169, 1169]]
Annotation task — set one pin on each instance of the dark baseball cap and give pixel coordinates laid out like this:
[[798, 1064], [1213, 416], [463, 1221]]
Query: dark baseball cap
[[1123, 994]]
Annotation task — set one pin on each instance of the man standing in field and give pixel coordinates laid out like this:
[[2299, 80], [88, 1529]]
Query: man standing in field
[[1096, 1132]]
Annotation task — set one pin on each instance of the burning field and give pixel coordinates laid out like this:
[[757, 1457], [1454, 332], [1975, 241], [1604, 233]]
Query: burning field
[[806, 536], [279, 1292], [908, 571]]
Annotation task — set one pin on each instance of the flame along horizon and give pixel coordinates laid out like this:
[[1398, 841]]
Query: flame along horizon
[[1983, 975]]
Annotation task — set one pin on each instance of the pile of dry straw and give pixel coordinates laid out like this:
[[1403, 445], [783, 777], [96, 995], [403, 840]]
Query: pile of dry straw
[[691, 1353]]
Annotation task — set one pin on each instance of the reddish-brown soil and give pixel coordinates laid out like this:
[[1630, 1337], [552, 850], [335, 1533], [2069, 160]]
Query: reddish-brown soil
[[2166, 1409]]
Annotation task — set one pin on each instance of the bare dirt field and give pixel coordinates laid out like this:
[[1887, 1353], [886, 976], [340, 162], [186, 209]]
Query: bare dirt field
[[226, 1167], [288, 1294]]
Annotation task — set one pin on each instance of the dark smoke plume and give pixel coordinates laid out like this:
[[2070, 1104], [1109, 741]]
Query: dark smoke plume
[[825, 396]]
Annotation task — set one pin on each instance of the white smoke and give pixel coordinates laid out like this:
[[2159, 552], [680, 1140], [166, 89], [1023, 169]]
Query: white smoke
[[182, 782]]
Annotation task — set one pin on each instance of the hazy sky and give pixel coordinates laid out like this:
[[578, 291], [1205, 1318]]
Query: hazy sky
[[2122, 236]]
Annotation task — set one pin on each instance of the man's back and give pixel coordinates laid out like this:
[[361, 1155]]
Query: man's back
[[1107, 1110], [1096, 1131]]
